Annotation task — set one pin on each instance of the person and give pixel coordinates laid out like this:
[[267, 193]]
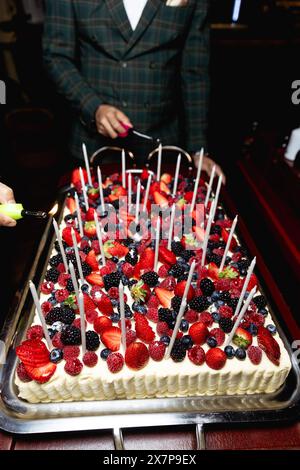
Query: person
[[143, 63], [6, 197]]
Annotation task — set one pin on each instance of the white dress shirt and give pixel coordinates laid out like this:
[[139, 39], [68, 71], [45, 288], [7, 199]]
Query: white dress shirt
[[134, 10]]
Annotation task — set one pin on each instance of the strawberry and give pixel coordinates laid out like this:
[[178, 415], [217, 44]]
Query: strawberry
[[157, 350], [90, 215], [198, 332], [95, 279], [196, 355], [143, 330], [225, 236], [215, 358], [91, 260], [136, 356], [95, 246], [164, 296], [114, 248], [269, 345], [67, 236], [104, 305], [180, 288], [218, 334], [169, 283], [116, 193], [140, 291], [164, 188], [115, 362], [253, 282], [147, 260], [33, 353], [166, 256], [93, 194], [242, 338], [101, 324], [90, 229], [160, 200], [75, 178], [111, 338], [166, 178], [255, 355], [213, 271], [41, 374], [71, 205]]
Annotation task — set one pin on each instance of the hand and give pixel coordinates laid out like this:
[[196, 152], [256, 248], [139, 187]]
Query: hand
[[207, 166], [108, 121], [6, 197]]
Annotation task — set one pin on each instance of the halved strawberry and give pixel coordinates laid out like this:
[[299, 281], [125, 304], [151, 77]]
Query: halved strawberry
[[101, 324], [95, 279], [163, 187], [165, 296], [91, 259], [41, 374], [242, 338], [147, 260], [111, 338], [143, 330], [71, 205], [180, 288], [114, 248], [166, 178], [89, 216], [140, 291], [89, 304], [104, 305], [198, 332], [136, 356], [269, 345], [225, 236], [166, 256], [67, 236], [116, 193], [33, 353], [213, 271], [161, 200], [90, 229]]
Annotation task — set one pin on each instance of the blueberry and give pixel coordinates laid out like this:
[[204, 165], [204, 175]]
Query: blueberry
[[105, 353], [56, 355], [114, 259], [215, 296], [115, 317], [181, 261], [263, 311], [114, 302], [184, 326], [272, 329], [253, 329], [243, 272], [135, 306], [240, 353], [125, 280], [219, 303], [229, 351], [85, 288], [128, 314], [141, 309], [165, 340], [51, 332], [195, 277], [216, 317], [212, 342], [174, 314], [52, 300], [187, 341]]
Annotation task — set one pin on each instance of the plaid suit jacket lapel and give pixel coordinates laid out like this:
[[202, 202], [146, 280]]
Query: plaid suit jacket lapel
[[119, 15], [149, 12]]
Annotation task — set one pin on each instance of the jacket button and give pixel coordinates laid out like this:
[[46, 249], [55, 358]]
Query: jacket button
[[152, 65], [124, 65], [124, 104], [147, 105]]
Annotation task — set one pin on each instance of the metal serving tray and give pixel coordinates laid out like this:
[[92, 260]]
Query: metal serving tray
[[18, 416]]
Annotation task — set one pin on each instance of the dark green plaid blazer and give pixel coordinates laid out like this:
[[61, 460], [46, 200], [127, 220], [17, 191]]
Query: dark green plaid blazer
[[157, 74]]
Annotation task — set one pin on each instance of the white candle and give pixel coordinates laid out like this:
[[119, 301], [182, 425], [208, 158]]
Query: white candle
[[78, 260], [74, 281], [147, 192], [122, 316], [249, 273], [158, 173], [176, 327], [197, 180], [62, 251], [228, 243], [138, 200], [82, 323], [216, 200], [207, 233], [209, 188], [40, 314], [189, 279], [83, 187], [157, 238], [123, 169], [176, 175], [101, 190], [240, 316], [172, 218], [99, 235], [129, 192], [79, 218], [87, 164]]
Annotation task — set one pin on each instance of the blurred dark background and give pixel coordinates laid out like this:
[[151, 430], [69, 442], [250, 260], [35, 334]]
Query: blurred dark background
[[254, 60]]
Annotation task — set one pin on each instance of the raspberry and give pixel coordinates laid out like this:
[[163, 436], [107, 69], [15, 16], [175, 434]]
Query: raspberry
[[152, 314], [113, 292], [254, 354], [236, 257], [91, 316], [130, 337], [90, 359], [61, 295], [223, 284], [46, 307], [73, 367], [218, 334], [71, 352], [191, 316], [162, 328], [157, 350], [169, 283], [35, 332], [61, 268], [218, 251], [22, 374], [153, 302], [77, 323], [196, 355], [163, 271], [206, 318], [115, 362], [257, 318], [96, 293], [47, 287], [128, 269], [225, 311], [57, 342]]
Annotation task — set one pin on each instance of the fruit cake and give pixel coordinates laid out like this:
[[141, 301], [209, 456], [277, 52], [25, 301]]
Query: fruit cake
[[200, 363]]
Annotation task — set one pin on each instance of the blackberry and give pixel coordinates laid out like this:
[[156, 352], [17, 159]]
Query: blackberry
[[111, 280], [116, 204], [67, 315], [176, 303], [86, 249], [127, 242], [233, 303], [128, 312], [165, 314], [86, 269], [225, 296], [187, 254], [57, 247], [56, 260], [207, 286], [176, 270], [178, 351], [199, 303], [52, 275], [177, 248], [72, 259], [226, 324], [69, 286], [106, 192], [184, 277], [217, 259], [260, 301], [132, 257], [71, 336], [243, 264], [216, 230], [54, 315], [150, 278], [132, 282], [92, 341]]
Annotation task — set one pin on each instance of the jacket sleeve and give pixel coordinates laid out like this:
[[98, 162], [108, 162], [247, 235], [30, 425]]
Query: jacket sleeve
[[195, 78], [60, 45]]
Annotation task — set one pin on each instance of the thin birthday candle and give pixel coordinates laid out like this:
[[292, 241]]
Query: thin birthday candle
[[217, 195], [62, 251], [172, 218], [129, 191], [101, 190], [123, 169], [122, 316], [158, 173], [138, 200], [147, 192], [87, 164], [77, 257], [99, 236], [176, 175], [83, 187], [228, 243], [240, 316], [197, 180], [207, 233], [211, 180], [157, 238], [79, 218], [82, 323], [40, 314]]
